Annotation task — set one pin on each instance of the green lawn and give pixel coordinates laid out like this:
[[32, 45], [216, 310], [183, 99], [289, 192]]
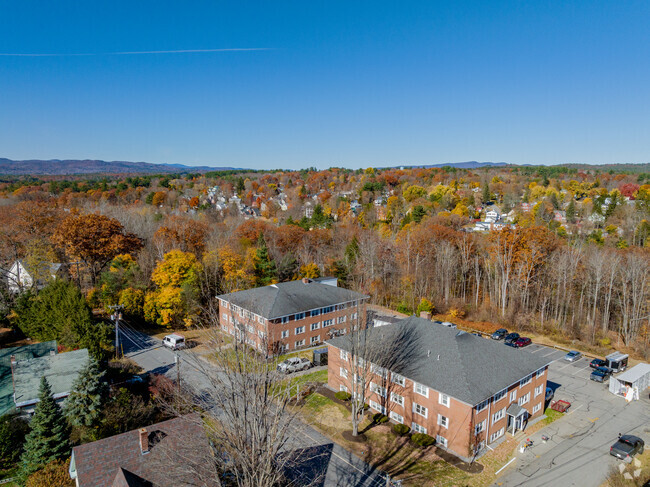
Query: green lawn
[[551, 415]]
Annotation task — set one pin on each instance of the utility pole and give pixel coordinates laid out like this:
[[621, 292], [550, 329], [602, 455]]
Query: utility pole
[[116, 317], [178, 370]]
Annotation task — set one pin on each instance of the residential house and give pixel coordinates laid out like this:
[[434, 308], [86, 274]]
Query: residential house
[[291, 315], [15, 354], [463, 390], [308, 208], [22, 276], [155, 456], [492, 213], [60, 370]]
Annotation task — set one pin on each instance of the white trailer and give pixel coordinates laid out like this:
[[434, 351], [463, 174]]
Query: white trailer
[[631, 384]]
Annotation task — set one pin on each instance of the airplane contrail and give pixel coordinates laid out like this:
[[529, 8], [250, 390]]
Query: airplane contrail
[[128, 53]]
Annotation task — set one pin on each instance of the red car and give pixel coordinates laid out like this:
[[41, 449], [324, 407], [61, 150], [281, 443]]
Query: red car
[[522, 342]]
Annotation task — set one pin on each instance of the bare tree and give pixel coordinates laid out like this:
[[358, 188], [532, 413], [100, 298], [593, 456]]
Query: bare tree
[[249, 412], [373, 358]]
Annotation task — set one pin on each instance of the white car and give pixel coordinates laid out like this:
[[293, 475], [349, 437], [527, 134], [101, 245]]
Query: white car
[[174, 341], [294, 364]]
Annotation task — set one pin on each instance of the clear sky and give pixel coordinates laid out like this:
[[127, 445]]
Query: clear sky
[[339, 83]]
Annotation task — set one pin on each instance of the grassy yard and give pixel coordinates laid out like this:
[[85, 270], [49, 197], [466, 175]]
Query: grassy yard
[[401, 458]]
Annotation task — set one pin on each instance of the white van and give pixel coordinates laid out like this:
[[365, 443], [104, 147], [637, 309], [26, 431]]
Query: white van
[[174, 341]]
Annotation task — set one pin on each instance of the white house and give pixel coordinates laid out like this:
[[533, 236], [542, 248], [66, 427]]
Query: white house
[[19, 278], [492, 213]]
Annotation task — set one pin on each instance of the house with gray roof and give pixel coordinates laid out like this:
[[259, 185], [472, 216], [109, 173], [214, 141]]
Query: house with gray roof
[[464, 390], [7, 355], [60, 370], [290, 315]]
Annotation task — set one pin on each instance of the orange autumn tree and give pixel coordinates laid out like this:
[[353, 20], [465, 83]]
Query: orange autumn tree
[[177, 279], [95, 240]]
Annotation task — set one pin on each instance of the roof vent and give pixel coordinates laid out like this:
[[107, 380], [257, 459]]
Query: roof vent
[[438, 356], [428, 353]]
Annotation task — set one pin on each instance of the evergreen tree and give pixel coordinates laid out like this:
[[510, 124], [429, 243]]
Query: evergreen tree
[[265, 271], [48, 438], [571, 211], [318, 218], [12, 436], [241, 187], [84, 405], [352, 251], [487, 196]]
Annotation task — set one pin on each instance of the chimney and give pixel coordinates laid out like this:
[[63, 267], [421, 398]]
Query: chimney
[[306, 280], [144, 441], [425, 314]]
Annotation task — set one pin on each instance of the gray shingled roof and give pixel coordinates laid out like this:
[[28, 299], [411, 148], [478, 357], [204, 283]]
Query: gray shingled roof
[[462, 365], [287, 298], [60, 370]]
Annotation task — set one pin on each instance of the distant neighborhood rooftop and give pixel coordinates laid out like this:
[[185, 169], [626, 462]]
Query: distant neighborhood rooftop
[[459, 364], [20, 353], [60, 370], [287, 298]]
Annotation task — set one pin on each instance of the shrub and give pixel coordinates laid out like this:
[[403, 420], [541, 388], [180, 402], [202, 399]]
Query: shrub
[[54, 474], [379, 418], [401, 429], [343, 396], [422, 440]]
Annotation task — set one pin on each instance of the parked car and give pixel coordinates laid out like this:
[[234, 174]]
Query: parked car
[[294, 364], [600, 374], [174, 341], [549, 394], [478, 334], [500, 334], [573, 356], [522, 342], [448, 324], [511, 338], [597, 362], [626, 447]]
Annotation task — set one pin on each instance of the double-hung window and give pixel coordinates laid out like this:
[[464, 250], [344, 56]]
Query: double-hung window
[[420, 389], [300, 329], [482, 406], [398, 379], [300, 316], [540, 372], [419, 409], [397, 399], [285, 333], [441, 440], [315, 339], [284, 320], [443, 399], [525, 380], [315, 326], [513, 395], [377, 389], [538, 390], [479, 427], [300, 343], [500, 414], [524, 399], [343, 372], [443, 421], [344, 355], [537, 407], [418, 428], [396, 417]]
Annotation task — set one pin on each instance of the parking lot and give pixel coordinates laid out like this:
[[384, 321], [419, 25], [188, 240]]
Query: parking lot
[[577, 452]]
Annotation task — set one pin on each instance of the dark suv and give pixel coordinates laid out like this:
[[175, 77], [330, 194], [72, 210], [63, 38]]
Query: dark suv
[[597, 362], [626, 447], [500, 334], [600, 374], [511, 339]]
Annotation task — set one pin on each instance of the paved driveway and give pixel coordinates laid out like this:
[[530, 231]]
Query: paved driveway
[[577, 453], [335, 465]]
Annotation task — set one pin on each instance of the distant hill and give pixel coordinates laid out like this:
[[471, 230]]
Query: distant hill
[[57, 167], [463, 165]]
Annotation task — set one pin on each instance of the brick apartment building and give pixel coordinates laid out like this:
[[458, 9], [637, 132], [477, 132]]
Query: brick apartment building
[[291, 315], [465, 391]]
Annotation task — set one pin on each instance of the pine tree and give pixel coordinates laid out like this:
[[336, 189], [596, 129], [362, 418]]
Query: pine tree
[[264, 267], [487, 196], [571, 211], [48, 438], [83, 406]]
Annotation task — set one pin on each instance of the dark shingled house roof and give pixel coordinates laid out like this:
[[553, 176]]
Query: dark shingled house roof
[[464, 366], [176, 457], [287, 298]]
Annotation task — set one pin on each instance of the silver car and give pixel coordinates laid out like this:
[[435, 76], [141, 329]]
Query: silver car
[[573, 356]]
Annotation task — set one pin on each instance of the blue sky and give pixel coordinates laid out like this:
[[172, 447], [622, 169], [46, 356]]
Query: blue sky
[[347, 83]]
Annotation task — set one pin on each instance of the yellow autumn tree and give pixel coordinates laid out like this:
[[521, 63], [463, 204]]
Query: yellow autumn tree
[[310, 271], [174, 302]]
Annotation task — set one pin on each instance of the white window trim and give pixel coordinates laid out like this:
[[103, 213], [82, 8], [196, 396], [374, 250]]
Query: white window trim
[[418, 428], [415, 389], [426, 410], [443, 421], [441, 440], [441, 401]]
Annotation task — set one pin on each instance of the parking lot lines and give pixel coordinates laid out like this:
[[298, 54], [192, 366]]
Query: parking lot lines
[[550, 353]]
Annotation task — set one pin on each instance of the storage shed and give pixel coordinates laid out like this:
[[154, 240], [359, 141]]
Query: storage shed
[[631, 384]]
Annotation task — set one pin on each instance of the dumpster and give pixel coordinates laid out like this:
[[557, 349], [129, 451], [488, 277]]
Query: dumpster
[[320, 357]]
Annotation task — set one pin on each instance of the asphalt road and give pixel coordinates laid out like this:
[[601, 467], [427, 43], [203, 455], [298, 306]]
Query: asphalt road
[[328, 461], [577, 453]]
